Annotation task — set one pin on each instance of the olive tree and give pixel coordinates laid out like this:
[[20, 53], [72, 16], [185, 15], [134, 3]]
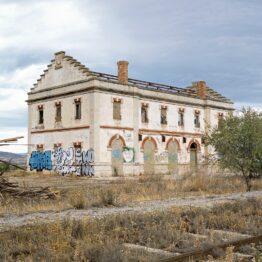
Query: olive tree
[[238, 144]]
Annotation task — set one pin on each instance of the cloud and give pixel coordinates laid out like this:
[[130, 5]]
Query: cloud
[[174, 43], [13, 92]]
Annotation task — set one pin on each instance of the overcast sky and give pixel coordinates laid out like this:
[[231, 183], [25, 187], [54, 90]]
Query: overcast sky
[[172, 41]]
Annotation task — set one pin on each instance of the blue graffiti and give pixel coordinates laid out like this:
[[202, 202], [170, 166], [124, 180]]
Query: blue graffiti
[[40, 160], [117, 153], [148, 157]]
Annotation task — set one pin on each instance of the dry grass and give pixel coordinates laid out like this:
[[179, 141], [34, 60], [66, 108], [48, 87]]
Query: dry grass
[[100, 240], [81, 193], [84, 193]]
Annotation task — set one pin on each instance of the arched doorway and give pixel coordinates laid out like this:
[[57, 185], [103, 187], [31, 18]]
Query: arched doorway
[[149, 146], [117, 145], [172, 149], [193, 154]]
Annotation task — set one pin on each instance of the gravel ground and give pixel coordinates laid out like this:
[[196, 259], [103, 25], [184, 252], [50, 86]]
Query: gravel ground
[[11, 221]]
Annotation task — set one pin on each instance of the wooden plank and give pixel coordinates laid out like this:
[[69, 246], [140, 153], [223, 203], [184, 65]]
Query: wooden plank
[[197, 253]]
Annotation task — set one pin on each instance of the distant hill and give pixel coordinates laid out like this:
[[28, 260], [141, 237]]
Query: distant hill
[[19, 159]]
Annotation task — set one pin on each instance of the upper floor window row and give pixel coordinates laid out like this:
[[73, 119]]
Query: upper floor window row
[[117, 104], [58, 111], [163, 115]]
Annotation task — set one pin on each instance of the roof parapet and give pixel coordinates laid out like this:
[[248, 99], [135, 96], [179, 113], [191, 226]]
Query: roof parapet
[[58, 59]]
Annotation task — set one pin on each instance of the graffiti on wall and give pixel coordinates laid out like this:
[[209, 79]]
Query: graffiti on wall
[[40, 161], [162, 157], [129, 154], [69, 161], [74, 161], [128, 137], [117, 153]]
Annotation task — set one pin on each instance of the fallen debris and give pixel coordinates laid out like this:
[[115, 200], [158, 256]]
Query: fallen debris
[[14, 190], [153, 252]]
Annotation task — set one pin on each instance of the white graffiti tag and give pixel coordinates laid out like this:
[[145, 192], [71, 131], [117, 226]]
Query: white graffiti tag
[[74, 161]]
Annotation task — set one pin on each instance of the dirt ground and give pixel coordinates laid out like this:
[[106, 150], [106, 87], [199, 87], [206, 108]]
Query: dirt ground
[[98, 219], [11, 221]]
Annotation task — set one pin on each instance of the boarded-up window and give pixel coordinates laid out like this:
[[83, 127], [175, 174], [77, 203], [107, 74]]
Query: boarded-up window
[[117, 157], [181, 118], [77, 109], [58, 116], [149, 157], [144, 113], [163, 118], [117, 109], [172, 157]]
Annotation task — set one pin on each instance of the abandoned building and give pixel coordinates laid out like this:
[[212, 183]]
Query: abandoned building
[[115, 125]]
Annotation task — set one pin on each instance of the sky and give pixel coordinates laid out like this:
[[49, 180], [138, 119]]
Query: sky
[[172, 42]]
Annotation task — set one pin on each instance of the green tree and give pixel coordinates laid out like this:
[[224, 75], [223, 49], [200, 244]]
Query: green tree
[[238, 143], [4, 167]]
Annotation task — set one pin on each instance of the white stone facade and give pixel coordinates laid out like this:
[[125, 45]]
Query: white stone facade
[[67, 81]]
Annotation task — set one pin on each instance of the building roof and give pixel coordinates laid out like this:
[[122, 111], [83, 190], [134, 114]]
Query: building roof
[[86, 73]]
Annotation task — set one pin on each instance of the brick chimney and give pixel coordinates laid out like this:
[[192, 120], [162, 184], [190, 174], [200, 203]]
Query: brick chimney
[[122, 72], [201, 89]]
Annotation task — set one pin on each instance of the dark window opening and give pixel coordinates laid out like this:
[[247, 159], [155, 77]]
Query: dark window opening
[[144, 114], [163, 119], [40, 148], [181, 119], [197, 121], [77, 146], [41, 116], [163, 138], [184, 140], [78, 110], [117, 110], [220, 119], [56, 146], [193, 146], [58, 116], [140, 137]]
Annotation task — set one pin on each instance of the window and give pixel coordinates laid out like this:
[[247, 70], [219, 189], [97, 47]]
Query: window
[[144, 113], [163, 116], [163, 138], [40, 114], [197, 119], [220, 119], [181, 118], [56, 146], [40, 148], [140, 137], [77, 108], [184, 140], [117, 109], [58, 115], [77, 146]]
